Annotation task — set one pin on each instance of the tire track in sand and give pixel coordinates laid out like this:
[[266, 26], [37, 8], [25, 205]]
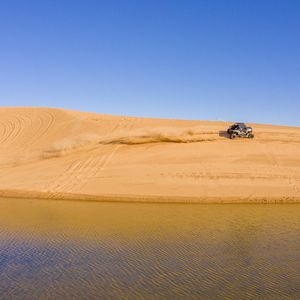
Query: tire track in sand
[[45, 121], [4, 132], [73, 175], [80, 171], [272, 158], [15, 128], [24, 130], [96, 162], [108, 158]]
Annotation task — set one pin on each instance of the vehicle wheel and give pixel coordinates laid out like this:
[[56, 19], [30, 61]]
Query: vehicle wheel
[[233, 136], [251, 136]]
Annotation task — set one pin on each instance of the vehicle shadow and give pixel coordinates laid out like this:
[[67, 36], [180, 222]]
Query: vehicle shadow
[[224, 134]]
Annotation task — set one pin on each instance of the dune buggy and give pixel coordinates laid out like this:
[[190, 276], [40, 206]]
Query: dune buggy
[[240, 130]]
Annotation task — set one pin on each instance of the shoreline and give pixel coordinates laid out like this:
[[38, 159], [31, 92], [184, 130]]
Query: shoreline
[[115, 198]]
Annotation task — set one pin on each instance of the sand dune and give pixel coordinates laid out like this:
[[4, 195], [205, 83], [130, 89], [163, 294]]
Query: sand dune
[[62, 154]]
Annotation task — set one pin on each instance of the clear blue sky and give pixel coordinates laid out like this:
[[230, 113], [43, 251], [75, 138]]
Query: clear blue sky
[[233, 60]]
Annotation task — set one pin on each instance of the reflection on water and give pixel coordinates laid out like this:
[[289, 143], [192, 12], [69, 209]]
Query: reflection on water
[[75, 250]]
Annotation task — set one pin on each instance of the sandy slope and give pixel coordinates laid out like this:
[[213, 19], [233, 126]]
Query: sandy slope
[[55, 153]]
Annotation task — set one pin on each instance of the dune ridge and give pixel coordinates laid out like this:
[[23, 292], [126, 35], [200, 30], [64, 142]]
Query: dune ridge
[[62, 154]]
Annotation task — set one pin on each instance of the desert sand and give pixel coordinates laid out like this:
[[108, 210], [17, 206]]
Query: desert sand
[[51, 153]]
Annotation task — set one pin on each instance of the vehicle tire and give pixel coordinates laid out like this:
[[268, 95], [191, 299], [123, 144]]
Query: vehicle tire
[[233, 136], [250, 136]]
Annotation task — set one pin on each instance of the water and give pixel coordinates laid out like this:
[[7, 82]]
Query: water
[[76, 250]]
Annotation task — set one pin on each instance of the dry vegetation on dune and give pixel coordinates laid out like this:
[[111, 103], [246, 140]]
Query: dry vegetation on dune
[[54, 153]]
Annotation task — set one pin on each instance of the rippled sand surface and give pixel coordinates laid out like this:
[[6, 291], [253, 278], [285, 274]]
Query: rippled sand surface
[[75, 250]]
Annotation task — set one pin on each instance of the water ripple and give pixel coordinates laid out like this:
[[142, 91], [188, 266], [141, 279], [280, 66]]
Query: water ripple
[[58, 250]]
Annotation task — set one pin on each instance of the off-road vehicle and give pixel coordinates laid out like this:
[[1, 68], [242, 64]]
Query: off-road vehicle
[[240, 130]]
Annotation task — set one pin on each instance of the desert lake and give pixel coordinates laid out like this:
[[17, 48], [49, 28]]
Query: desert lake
[[79, 250]]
